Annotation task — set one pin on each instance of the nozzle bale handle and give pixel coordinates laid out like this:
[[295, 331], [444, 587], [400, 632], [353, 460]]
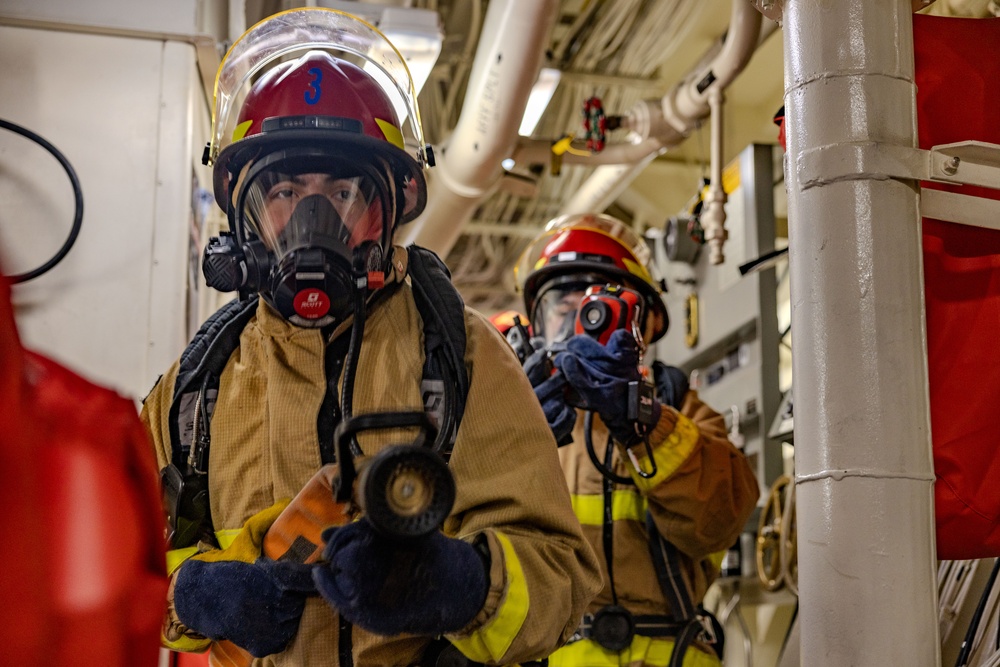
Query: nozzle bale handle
[[406, 490], [348, 430]]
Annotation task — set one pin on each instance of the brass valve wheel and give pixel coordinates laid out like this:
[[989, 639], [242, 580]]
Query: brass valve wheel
[[769, 537]]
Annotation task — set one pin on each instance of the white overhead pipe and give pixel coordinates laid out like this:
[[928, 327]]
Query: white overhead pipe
[[863, 462], [713, 215], [657, 125], [509, 56], [237, 23]]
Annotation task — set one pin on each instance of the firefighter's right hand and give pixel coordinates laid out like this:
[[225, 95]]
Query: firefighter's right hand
[[257, 606], [428, 586], [551, 393]]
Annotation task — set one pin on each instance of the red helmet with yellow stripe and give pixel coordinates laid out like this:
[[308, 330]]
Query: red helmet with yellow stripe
[[320, 80], [321, 102], [591, 249]]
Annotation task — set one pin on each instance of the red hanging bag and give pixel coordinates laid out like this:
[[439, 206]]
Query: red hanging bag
[[958, 99]]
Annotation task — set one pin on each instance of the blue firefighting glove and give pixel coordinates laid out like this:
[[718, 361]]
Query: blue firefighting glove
[[234, 594], [257, 606], [671, 384], [551, 393], [600, 375], [428, 586]]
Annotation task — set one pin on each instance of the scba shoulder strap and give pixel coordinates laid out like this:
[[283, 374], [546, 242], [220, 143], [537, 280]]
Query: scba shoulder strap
[[445, 379], [444, 386], [201, 364], [698, 624]]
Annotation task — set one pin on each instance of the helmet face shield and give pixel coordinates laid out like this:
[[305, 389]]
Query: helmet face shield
[[292, 33], [318, 156], [317, 77], [357, 204]]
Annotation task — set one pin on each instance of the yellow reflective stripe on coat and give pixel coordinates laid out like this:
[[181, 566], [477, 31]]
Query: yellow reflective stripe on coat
[[668, 455], [643, 651], [625, 504], [490, 642], [225, 537], [186, 644], [177, 556]]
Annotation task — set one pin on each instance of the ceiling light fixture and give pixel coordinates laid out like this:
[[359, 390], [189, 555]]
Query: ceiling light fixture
[[538, 100], [416, 33]]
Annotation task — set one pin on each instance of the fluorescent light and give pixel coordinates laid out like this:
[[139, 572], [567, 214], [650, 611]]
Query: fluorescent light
[[416, 33], [538, 100]]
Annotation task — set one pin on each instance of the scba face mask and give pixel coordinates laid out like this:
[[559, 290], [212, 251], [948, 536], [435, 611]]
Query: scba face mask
[[308, 228], [555, 313]]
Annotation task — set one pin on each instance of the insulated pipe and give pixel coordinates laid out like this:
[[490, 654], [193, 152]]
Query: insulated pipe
[[713, 215], [505, 68], [664, 123], [863, 463], [237, 23], [687, 103]]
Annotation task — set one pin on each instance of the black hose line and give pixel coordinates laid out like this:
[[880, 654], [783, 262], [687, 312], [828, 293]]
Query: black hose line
[[77, 197]]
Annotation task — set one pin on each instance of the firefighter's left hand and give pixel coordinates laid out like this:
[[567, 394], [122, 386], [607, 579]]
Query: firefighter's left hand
[[600, 374], [425, 586]]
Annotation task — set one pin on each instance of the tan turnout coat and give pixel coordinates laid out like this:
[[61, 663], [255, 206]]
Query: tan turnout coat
[[702, 494], [509, 483]]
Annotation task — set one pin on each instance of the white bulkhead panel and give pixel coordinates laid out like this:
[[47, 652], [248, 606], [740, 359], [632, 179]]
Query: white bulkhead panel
[[122, 110]]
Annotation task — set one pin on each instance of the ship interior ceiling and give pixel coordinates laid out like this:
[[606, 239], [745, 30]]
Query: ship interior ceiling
[[621, 52], [675, 141]]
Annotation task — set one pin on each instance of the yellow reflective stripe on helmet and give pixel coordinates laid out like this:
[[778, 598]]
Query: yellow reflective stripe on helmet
[[186, 644], [177, 556], [241, 130], [669, 454], [625, 504], [391, 132], [644, 650], [637, 269], [490, 642]]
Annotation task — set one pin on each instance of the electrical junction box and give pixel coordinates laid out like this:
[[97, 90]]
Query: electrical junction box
[[724, 325]]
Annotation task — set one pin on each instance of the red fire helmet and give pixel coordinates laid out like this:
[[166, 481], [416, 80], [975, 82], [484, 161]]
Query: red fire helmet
[[597, 248]]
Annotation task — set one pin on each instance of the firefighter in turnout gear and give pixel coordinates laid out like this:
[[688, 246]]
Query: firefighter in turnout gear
[[658, 488], [340, 347]]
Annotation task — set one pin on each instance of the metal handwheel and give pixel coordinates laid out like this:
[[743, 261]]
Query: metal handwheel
[[787, 549], [769, 537]]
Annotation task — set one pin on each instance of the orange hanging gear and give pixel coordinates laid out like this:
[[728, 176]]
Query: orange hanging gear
[[82, 569], [504, 320], [956, 71]]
